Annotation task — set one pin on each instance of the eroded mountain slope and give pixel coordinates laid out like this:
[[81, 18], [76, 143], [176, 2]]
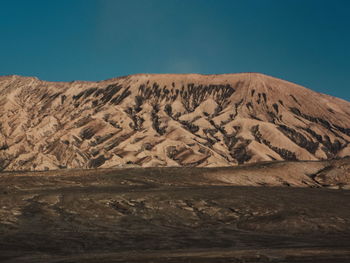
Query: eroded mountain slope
[[167, 120]]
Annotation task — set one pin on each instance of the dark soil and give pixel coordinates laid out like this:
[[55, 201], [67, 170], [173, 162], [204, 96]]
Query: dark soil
[[166, 215]]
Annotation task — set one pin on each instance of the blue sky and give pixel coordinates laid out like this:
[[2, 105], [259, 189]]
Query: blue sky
[[303, 41]]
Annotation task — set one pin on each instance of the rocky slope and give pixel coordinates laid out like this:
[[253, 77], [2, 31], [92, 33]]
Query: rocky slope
[[167, 120]]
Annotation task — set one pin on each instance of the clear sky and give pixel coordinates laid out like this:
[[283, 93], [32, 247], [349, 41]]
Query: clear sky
[[303, 41]]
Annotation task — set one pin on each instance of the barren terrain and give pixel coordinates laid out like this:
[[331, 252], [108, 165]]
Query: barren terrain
[[152, 120], [178, 214], [191, 168]]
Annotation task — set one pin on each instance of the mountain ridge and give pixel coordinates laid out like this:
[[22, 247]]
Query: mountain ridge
[[167, 120], [166, 74], [169, 75]]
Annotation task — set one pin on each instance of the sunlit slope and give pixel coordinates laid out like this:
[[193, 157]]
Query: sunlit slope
[[167, 120]]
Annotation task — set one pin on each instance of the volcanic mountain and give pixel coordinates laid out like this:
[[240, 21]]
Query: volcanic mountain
[[167, 120]]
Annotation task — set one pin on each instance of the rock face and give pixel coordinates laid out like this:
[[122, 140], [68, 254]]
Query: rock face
[[167, 120]]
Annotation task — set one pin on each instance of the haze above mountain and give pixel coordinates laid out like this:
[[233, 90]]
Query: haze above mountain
[[167, 120]]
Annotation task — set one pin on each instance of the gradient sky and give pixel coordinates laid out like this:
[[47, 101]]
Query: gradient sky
[[303, 41]]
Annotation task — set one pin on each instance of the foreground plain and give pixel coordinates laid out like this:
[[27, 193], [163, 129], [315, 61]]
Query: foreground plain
[[170, 215]]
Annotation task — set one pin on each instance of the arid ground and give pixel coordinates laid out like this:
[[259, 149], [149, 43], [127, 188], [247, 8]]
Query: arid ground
[[153, 120], [172, 215]]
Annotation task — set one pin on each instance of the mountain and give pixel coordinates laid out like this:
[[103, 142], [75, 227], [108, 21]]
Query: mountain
[[167, 120]]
